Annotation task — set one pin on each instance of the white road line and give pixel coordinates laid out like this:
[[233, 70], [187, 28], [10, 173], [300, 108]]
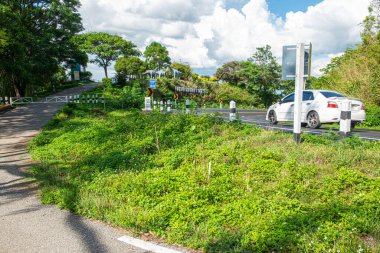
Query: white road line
[[146, 245]]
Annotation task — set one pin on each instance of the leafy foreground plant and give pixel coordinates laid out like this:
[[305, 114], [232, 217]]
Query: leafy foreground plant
[[206, 184]]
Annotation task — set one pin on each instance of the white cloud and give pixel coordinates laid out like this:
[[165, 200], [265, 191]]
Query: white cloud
[[206, 34]]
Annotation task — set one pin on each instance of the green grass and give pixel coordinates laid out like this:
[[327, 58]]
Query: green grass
[[210, 185]]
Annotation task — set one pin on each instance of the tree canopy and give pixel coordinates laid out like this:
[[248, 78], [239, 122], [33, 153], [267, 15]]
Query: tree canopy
[[131, 65], [260, 75], [35, 41], [156, 56], [105, 48]]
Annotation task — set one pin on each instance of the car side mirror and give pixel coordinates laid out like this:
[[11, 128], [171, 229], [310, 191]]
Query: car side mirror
[[279, 101]]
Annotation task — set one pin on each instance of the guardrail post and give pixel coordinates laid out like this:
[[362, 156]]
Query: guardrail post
[[345, 119], [187, 106], [232, 110]]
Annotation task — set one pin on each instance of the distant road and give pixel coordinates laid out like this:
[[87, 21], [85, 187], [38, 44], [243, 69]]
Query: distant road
[[257, 117]]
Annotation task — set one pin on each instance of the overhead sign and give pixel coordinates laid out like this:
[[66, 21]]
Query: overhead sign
[[289, 62], [152, 84]]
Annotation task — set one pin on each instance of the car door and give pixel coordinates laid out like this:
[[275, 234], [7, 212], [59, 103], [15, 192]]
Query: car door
[[307, 100], [285, 110]]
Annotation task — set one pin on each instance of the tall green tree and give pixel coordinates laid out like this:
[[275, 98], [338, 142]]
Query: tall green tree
[[131, 65], [185, 70], [105, 48], [37, 37], [156, 56], [230, 72]]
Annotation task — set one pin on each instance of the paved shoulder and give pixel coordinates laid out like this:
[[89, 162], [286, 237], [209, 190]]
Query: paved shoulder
[[26, 225]]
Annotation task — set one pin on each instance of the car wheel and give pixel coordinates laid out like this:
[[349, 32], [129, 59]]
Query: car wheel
[[272, 118], [313, 120]]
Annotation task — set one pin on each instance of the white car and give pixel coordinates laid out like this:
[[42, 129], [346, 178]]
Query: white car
[[318, 107]]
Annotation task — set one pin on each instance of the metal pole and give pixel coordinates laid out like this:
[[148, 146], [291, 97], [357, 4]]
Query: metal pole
[[300, 56]]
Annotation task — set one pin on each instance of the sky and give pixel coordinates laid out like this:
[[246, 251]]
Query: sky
[[208, 33]]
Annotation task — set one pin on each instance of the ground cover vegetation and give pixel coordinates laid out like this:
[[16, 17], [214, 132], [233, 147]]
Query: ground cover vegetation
[[206, 184]]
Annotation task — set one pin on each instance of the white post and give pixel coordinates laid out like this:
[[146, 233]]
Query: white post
[[298, 91], [148, 106], [70, 99], [161, 106], [169, 106], [232, 110], [187, 106], [221, 105], [10, 101], [93, 99], [97, 98], [88, 99], [154, 105], [345, 119]]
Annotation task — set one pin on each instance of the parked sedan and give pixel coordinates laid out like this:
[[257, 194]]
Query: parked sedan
[[318, 107]]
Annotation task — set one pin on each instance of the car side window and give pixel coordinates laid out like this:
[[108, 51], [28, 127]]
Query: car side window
[[307, 95], [288, 99]]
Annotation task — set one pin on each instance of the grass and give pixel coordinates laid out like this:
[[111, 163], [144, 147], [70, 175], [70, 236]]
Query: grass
[[211, 185]]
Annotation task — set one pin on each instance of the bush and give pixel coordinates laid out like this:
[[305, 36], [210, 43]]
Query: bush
[[373, 116], [107, 83]]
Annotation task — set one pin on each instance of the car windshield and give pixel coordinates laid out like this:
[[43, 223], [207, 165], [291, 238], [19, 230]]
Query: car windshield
[[330, 94]]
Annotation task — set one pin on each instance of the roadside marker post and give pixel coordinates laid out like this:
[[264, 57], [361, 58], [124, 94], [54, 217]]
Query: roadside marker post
[[88, 99], [232, 110], [300, 61], [97, 98], [93, 99], [154, 105], [187, 106], [148, 105], [345, 120], [103, 102], [169, 108], [161, 106], [70, 99]]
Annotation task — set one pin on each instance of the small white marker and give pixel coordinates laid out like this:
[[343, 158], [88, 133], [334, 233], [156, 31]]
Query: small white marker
[[146, 245]]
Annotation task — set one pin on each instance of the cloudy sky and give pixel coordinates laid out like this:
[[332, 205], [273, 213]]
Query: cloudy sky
[[208, 33]]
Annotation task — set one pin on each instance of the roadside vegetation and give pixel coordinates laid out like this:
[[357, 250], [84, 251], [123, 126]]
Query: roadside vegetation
[[206, 184]]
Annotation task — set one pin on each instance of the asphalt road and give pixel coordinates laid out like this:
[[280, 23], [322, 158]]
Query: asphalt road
[[257, 117], [25, 224]]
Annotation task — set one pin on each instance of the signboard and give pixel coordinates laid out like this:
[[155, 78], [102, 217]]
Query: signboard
[[76, 76], [289, 62], [152, 84], [191, 90], [176, 96], [150, 92], [148, 104]]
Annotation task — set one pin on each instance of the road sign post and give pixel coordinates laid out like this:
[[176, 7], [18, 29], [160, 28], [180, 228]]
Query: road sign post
[[148, 106], [299, 75]]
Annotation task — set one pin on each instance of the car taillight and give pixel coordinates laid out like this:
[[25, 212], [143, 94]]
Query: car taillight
[[332, 105], [363, 107]]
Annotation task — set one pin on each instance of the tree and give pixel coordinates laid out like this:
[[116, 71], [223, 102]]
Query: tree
[[131, 65], [268, 74], [156, 56], [37, 38], [185, 70], [105, 48], [230, 72]]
